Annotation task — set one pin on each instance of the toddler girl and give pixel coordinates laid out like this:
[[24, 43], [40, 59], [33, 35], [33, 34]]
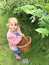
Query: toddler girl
[[14, 36]]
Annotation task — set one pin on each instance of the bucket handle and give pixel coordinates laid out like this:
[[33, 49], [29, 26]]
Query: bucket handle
[[25, 38]]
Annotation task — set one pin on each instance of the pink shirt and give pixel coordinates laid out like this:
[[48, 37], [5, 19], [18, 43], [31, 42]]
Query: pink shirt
[[13, 40]]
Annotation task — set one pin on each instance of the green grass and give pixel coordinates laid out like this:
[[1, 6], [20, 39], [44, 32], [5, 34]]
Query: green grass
[[37, 55]]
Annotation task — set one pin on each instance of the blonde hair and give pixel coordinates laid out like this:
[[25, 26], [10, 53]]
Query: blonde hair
[[12, 19]]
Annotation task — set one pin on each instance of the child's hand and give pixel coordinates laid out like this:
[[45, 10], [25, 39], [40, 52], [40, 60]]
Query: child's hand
[[22, 35]]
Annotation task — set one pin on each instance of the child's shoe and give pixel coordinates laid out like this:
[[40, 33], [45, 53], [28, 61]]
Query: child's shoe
[[25, 60], [18, 57]]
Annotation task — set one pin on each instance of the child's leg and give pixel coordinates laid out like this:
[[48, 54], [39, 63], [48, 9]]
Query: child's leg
[[16, 52]]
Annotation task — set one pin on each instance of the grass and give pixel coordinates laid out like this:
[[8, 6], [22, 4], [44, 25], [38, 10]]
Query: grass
[[37, 55]]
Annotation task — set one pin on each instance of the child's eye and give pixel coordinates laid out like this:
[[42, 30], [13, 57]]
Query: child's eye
[[15, 24], [11, 24]]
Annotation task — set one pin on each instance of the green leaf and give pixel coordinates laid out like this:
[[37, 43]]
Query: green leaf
[[43, 31], [46, 7], [39, 13], [44, 21], [29, 9]]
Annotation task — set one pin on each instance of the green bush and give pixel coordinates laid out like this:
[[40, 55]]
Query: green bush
[[41, 14]]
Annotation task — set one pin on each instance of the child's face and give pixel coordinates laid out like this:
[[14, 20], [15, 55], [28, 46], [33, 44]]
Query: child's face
[[13, 26]]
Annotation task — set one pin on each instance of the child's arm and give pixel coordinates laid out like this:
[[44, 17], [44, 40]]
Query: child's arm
[[13, 41]]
